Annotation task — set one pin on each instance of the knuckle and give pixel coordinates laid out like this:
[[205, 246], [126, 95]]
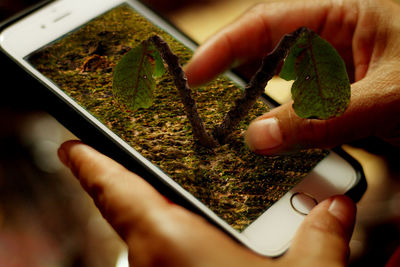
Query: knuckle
[[329, 229], [257, 8], [155, 237], [316, 132], [306, 132]]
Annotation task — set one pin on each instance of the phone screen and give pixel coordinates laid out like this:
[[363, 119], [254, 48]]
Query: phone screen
[[233, 182]]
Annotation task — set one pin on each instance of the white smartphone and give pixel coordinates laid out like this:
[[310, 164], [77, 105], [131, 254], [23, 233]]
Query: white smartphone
[[71, 47]]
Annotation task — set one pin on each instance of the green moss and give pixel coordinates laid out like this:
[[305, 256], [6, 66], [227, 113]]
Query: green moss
[[235, 183]]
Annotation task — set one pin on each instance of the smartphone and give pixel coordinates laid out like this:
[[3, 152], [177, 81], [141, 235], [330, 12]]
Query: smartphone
[[67, 50]]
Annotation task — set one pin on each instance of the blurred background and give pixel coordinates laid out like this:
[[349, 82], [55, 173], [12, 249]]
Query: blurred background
[[47, 220]]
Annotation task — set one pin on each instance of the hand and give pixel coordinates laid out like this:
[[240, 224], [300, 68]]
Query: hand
[[366, 35], [159, 233]]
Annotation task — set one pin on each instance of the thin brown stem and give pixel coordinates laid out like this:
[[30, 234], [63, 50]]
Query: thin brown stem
[[199, 131], [252, 92], [257, 85]]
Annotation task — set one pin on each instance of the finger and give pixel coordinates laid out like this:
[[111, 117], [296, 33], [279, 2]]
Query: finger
[[123, 198], [323, 237], [374, 101], [257, 31], [157, 233]]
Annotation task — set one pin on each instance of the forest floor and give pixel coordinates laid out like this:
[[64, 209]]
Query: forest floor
[[235, 183]]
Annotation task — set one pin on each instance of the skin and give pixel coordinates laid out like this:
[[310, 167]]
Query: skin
[[366, 35], [159, 233]]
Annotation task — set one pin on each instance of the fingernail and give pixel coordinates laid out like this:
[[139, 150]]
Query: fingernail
[[338, 209], [264, 135], [62, 156]]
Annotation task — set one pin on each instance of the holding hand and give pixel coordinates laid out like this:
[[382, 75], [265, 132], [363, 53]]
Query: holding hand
[[365, 33], [159, 233]]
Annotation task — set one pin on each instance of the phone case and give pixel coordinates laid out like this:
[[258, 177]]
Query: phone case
[[34, 90]]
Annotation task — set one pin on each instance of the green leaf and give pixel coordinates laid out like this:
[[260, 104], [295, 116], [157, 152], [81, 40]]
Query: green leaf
[[133, 81], [322, 87], [159, 69]]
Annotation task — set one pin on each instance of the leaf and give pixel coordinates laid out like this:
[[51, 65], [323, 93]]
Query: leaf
[[159, 69], [133, 81], [322, 87]]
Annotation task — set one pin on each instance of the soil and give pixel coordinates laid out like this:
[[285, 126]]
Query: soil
[[235, 183]]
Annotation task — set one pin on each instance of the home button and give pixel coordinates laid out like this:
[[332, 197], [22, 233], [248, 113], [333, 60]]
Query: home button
[[302, 202]]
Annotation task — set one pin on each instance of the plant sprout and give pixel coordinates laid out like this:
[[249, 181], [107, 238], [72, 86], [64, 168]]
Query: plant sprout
[[321, 89]]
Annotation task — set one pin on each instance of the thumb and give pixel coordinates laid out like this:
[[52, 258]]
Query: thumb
[[281, 130], [323, 238]]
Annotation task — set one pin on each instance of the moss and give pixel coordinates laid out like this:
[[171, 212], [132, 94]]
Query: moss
[[235, 183]]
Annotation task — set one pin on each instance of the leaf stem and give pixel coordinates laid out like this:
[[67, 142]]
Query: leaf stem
[[252, 92], [256, 86], [199, 131]]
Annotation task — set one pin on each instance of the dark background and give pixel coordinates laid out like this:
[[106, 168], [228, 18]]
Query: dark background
[[46, 219]]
